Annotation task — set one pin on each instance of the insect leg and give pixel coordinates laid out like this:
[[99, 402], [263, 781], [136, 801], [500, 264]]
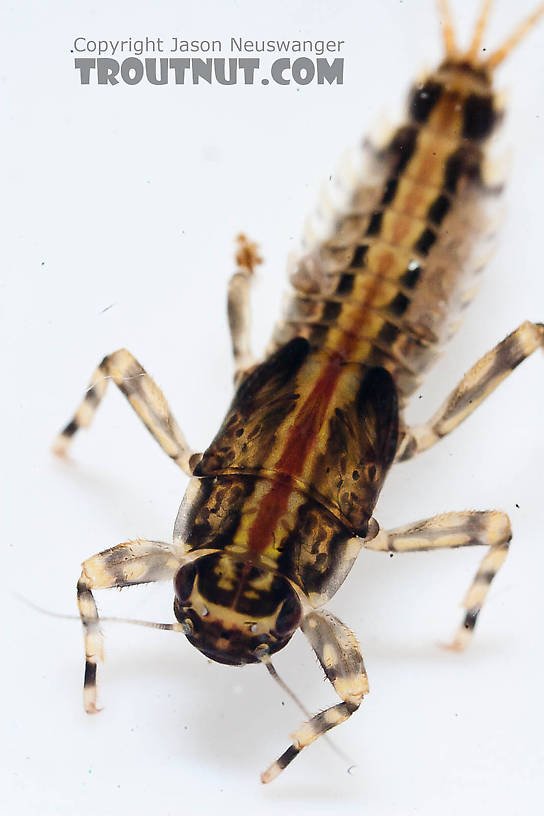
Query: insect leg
[[489, 529], [238, 306], [474, 388], [128, 564], [338, 652], [145, 397]]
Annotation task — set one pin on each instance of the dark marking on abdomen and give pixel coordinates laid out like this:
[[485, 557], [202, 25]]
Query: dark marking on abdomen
[[375, 223], [424, 99], [425, 241], [439, 209], [390, 190], [403, 146]]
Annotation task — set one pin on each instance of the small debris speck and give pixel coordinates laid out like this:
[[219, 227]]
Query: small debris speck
[[517, 505]]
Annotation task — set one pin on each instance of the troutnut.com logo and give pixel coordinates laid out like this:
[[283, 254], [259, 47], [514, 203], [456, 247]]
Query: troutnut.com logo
[[111, 62]]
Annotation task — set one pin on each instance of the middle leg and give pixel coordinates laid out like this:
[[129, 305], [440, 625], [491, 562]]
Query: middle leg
[[489, 529], [146, 399]]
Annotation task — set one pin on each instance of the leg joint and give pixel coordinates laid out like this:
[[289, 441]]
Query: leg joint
[[353, 705]]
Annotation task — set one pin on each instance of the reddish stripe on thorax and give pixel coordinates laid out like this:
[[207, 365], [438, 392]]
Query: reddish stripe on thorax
[[301, 438], [298, 445]]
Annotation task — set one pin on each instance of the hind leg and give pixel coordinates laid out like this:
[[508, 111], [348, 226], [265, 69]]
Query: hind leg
[[128, 564], [238, 307], [474, 388]]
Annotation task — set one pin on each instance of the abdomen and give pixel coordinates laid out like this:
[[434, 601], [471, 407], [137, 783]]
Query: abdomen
[[388, 285]]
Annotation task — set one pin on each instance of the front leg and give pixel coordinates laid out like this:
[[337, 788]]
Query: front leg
[[489, 529], [338, 652], [128, 564], [238, 306], [145, 397], [474, 388]]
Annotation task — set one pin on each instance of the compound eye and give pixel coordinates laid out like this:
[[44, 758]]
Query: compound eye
[[184, 582], [289, 616]]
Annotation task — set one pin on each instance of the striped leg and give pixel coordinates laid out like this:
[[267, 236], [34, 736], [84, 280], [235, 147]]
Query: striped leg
[[338, 652], [489, 529], [145, 397], [474, 388], [238, 307], [128, 564]]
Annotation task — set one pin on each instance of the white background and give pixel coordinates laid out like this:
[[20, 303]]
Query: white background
[[129, 198]]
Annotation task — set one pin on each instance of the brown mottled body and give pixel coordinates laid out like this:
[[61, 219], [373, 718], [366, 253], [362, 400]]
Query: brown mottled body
[[281, 502], [286, 486]]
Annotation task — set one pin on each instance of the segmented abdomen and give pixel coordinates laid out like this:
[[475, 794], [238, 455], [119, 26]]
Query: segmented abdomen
[[387, 286]]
